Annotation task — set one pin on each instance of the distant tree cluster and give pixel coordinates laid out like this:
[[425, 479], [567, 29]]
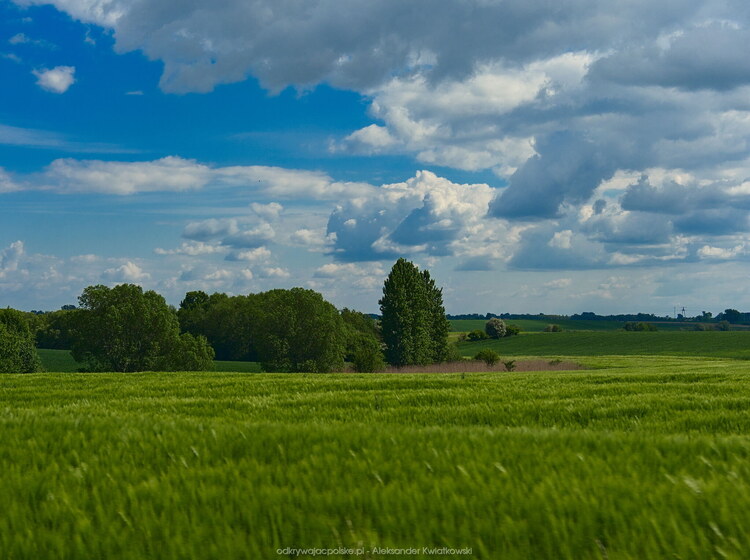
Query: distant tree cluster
[[126, 329], [17, 347]]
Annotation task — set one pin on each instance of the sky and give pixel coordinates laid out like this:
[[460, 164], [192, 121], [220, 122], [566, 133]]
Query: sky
[[535, 156]]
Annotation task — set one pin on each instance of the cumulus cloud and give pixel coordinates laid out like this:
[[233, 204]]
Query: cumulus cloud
[[10, 257], [126, 273], [251, 255], [56, 80], [426, 214]]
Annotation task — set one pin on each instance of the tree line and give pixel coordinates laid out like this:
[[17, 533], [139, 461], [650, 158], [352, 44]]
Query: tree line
[[124, 328]]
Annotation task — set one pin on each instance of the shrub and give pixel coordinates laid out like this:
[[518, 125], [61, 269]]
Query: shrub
[[476, 335], [641, 326], [553, 328], [512, 330], [488, 356], [495, 328], [723, 326], [368, 357], [510, 365]]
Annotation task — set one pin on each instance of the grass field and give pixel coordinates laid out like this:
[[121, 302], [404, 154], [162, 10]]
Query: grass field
[[534, 325], [646, 458], [732, 344], [62, 361]]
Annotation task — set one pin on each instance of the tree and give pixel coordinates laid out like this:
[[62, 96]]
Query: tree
[[732, 315], [299, 331], [363, 345], [126, 329], [439, 326], [227, 322], [17, 348], [495, 328], [413, 324]]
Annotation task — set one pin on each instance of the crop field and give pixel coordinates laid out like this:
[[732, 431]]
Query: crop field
[[534, 325], [644, 457], [731, 344], [538, 325]]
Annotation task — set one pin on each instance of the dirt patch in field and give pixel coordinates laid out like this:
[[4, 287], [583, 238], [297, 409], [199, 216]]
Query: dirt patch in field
[[477, 366]]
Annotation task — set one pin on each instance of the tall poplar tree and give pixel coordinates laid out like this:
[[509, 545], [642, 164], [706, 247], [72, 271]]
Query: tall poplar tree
[[413, 324]]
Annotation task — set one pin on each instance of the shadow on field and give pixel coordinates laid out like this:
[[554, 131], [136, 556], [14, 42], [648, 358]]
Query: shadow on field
[[478, 365]]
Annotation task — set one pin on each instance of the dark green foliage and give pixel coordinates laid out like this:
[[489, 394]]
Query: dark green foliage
[[368, 357], [647, 327], [407, 325], [55, 330], [732, 315], [439, 326], [510, 365], [299, 331], [512, 330], [495, 328], [17, 349], [476, 335], [363, 345], [488, 356], [227, 322], [723, 326], [553, 328], [126, 329]]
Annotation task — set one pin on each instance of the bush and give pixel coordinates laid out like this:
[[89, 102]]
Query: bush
[[476, 335], [641, 327], [367, 356], [510, 365], [723, 326], [488, 356], [512, 330], [553, 328], [495, 328]]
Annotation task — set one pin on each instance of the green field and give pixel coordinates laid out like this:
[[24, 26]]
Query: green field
[[731, 344], [646, 458], [645, 455], [538, 325], [62, 361]]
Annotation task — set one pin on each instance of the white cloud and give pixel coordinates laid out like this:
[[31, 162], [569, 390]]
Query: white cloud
[[274, 272], [7, 184], [128, 272], [10, 258], [268, 211], [18, 39], [124, 178], [56, 80], [192, 249], [251, 255]]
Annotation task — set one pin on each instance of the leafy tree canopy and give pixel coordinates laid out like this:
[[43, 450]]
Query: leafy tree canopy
[[17, 348], [126, 329]]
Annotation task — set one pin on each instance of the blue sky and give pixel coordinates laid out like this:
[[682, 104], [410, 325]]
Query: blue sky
[[590, 157]]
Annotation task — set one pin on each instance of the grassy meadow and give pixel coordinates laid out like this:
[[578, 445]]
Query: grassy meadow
[[641, 456]]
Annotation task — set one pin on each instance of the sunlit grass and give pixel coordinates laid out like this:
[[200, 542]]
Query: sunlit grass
[[645, 457]]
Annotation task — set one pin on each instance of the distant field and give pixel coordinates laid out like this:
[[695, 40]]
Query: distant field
[[62, 361], [731, 344], [647, 458], [534, 325]]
